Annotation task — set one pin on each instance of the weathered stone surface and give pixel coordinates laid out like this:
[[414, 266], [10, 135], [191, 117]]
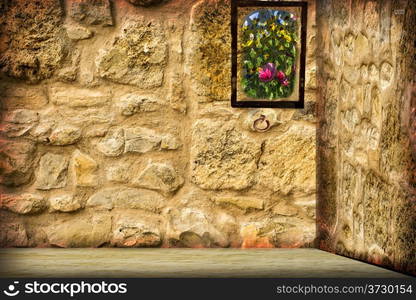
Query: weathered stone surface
[[135, 140], [386, 74], [160, 177], [97, 12], [222, 157], [80, 232], [292, 232], [263, 119], [308, 113], [15, 130], [65, 135], [176, 94], [136, 230], [283, 209], [21, 96], [306, 205], [129, 104], [139, 199], [23, 204], [42, 131], [310, 78], [87, 115], [64, 203], [76, 32], [278, 231], [146, 3], [33, 44], [21, 116], [16, 162], [52, 172], [103, 199], [363, 150], [141, 140], [253, 237], [210, 59], [288, 161], [13, 234], [85, 169], [118, 172], [67, 74], [18, 122], [170, 142], [192, 227], [119, 197], [113, 143], [137, 56], [69, 71], [96, 131], [78, 97], [242, 202]]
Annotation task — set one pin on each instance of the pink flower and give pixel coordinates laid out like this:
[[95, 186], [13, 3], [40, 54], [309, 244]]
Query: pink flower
[[280, 76], [267, 73]]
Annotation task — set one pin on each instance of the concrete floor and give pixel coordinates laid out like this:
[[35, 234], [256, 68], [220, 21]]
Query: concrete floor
[[118, 263]]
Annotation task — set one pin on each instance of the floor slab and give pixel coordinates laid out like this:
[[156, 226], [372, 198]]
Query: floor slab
[[150, 263]]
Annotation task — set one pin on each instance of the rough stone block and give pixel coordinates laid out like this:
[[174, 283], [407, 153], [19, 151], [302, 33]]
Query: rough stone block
[[242, 202], [23, 204], [32, 37], [20, 96], [141, 140], [160, 177], [129, 104], [118, 172], [64, 203], [211, 54], [79, 232], [76, 32], [113, 143], [52, 172], [78, 97], [222, 157], [137, 56], [85, 169], [194, 228], [65, 135], [16, 162], [136, 230], [21, 116], [288, 161], [13, 234], [119, 197], [96, 12]]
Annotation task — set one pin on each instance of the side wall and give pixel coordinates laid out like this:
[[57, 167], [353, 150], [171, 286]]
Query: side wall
[[117, 130], [366, 138]]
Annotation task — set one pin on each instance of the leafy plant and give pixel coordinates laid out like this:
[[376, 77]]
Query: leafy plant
[[268, 40]]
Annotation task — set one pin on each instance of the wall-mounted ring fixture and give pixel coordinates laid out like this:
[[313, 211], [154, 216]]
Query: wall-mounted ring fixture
[[261, 124]]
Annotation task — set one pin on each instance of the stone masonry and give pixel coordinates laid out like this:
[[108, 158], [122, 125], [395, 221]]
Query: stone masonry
[[117, 131], [366, 151]]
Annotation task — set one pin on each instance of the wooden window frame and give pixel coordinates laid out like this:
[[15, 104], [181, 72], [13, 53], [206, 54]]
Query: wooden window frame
[[235, 4]]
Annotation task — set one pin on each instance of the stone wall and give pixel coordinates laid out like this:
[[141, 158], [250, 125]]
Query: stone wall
[[117, 130], [366, 136]]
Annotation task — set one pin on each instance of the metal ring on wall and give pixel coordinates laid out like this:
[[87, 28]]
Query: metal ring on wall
[[257, 124]]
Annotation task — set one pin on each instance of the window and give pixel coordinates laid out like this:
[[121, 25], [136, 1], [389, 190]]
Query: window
[[268, 54]]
